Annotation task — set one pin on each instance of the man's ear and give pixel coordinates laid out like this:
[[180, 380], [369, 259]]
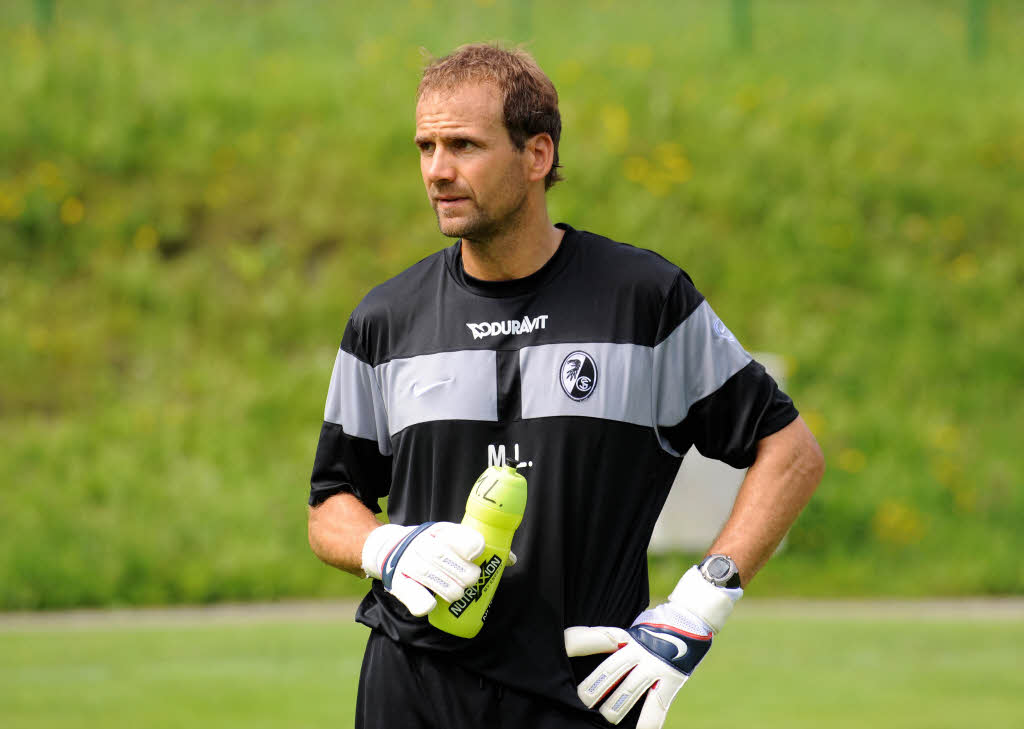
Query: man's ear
[[539, 155]]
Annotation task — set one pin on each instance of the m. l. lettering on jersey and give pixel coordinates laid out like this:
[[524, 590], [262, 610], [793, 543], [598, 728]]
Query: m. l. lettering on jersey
[[509, 326], [497, 456]]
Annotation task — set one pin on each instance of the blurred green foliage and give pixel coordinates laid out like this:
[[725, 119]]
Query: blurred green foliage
[[193, 196]]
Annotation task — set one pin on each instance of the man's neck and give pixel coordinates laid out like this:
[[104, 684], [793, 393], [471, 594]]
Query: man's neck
[[515, 253]]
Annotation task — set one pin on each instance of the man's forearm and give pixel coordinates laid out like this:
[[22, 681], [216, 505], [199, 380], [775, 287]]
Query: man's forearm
[[788, 467], [338, 529]]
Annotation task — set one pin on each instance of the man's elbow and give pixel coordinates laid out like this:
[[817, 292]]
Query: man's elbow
[[812, 461], [313, 531], [798, 450]]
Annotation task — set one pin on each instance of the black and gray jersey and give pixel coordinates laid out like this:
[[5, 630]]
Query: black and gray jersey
[[595, 374]]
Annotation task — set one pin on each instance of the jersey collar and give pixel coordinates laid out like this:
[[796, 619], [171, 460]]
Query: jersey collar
[[518, 286]]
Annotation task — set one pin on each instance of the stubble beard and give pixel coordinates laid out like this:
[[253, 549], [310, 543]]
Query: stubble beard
[[476, 225], [481, 226]]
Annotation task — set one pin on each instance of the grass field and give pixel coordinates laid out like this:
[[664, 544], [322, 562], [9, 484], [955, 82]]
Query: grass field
[[768, 670]]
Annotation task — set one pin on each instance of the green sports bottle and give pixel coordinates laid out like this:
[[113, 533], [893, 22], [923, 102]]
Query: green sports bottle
[[495, 509]]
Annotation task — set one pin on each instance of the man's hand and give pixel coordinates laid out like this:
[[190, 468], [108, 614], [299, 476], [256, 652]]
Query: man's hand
[[416, 562], [658, 653]]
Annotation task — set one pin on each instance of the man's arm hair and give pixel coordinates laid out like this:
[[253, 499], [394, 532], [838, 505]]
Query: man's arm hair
[[338, 528], [786, 472]]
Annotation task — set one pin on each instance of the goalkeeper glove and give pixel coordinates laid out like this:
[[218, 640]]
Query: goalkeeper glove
[[415, 562], [658, 653]]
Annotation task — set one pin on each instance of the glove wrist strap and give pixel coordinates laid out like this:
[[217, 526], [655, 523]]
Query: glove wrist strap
[[378, 543], [710, 603]]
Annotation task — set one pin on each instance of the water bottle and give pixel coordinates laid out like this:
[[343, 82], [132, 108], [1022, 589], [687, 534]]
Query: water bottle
[[495, 509]]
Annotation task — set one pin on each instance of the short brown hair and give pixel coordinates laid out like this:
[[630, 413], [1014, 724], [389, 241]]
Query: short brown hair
[[529, 98]]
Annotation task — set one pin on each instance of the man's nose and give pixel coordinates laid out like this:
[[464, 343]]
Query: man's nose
[[440, 167]]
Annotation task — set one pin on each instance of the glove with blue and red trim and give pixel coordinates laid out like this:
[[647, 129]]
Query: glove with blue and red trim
[[417, 562], [657, 655]]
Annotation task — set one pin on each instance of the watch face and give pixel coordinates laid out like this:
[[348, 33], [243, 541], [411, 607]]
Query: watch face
[[719, 568]]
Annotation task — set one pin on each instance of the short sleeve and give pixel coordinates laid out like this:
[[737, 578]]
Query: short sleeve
[[354, 451], [708, 391]]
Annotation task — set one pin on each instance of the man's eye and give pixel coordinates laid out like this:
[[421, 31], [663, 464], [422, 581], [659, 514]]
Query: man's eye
[[426, 148], [461, 144]]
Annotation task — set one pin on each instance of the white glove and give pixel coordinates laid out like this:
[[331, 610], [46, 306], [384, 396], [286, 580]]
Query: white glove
[[415, 562], [658, 652]]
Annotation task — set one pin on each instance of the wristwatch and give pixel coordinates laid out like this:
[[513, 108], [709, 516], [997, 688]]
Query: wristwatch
[[720, 570]]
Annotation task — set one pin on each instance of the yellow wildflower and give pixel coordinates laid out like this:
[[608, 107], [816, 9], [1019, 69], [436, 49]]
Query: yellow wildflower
[[898, 524], [852, 460], [72, 211], [145, 238]]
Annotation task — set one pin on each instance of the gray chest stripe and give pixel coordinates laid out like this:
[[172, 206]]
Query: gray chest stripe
[[631, 383], [621, 389], [692, 362], [355, 403], [459, 385]]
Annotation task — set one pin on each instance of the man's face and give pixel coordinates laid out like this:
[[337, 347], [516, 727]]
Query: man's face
[[474, 175]]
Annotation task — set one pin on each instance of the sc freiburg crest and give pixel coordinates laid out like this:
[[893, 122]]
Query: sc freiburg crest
[[578, 375]]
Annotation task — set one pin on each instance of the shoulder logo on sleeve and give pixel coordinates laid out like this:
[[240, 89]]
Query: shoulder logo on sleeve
[[578, 375], [722, 331]]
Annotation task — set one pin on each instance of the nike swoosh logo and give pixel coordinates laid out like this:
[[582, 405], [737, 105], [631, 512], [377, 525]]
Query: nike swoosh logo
[[677, 642], [390, 563], [387, 569], [420, 391]]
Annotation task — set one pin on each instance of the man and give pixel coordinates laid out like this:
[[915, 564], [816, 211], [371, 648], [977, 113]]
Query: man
[[595, 366]]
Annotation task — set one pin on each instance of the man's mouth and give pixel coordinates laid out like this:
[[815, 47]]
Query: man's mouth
[[449, 201]]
